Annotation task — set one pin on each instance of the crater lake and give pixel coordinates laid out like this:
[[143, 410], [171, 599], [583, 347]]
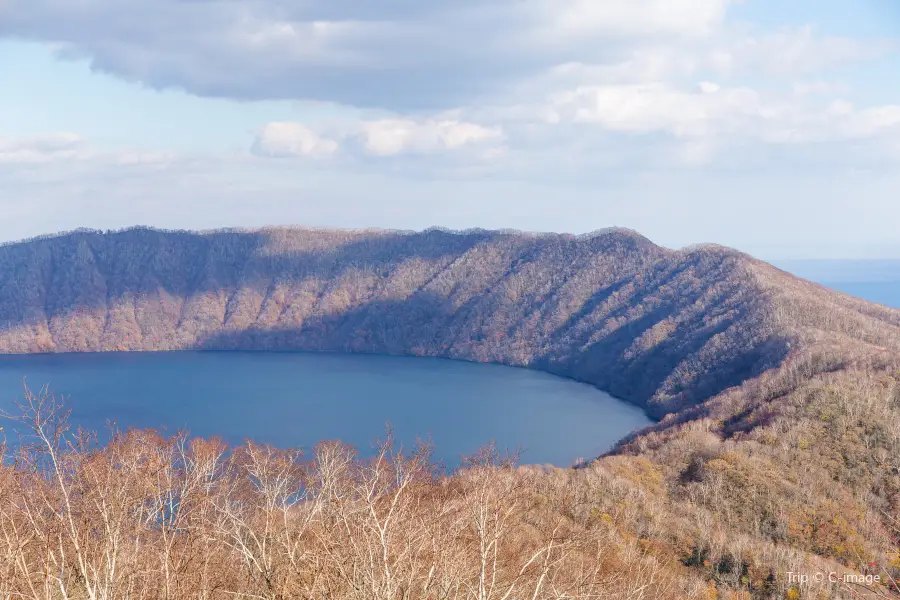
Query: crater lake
[[299, 399]]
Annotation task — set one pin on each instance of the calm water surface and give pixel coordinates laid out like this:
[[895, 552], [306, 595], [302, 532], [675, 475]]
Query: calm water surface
[[882, 292], [298, 399]]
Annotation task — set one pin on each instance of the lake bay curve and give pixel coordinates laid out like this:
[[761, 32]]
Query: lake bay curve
[[296, 399]]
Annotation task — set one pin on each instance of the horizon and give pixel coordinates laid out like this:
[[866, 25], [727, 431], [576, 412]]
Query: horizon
[[770, 129]]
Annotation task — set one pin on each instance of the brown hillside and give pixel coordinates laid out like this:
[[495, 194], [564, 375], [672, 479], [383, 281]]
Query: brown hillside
[[661, 328], [778, 449]]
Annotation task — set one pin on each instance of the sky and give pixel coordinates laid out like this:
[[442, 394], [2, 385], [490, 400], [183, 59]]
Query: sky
[[765, 125]]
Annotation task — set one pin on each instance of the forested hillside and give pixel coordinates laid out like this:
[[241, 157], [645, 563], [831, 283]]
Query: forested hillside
[[778, 448], [660, 328]]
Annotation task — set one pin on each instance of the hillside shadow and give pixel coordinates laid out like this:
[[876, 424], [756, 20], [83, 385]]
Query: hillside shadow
[[92, 270], [58, 281], [380, 327], [644, 377]]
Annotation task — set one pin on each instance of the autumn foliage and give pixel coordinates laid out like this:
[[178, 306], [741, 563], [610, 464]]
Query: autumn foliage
[[148, 516], [777, 451], [145, 516]]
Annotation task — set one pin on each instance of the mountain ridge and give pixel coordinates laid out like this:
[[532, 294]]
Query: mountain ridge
[[661, 328], [143, 289], [777, 448]]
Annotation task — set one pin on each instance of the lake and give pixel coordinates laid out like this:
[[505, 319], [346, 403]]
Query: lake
[[298, 399]]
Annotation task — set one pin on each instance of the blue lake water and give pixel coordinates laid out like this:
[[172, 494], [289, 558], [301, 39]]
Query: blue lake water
[[298, 399]]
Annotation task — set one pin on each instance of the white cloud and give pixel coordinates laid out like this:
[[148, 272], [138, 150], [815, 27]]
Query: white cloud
[[658, 107], [389, 137], [732, 52], [43, 148], [590, 17], [715, 111], [282, 139], [643, 64], [827, 88], [395, 55], [56, 150], [840, 108], [144, 158], [838, 121], [875, 120], [525, 88], [383, 137], [792, 50]]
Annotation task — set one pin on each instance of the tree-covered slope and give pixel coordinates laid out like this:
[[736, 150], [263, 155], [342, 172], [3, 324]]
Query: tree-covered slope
[[658, 327], [778, 445]]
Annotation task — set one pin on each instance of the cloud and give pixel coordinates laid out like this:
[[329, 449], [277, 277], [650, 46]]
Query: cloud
[[828, 88], [709, 117], [43, 148], [283, 139], [383, 137], [532, 85], [390, 137], [49, 153], [731, 53], [837, 121], [871, 121], [792, 50], [658, 107], [397, 54]]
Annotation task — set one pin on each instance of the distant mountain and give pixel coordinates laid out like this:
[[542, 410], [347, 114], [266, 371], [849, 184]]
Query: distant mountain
[[661, 328], [779, 440]]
